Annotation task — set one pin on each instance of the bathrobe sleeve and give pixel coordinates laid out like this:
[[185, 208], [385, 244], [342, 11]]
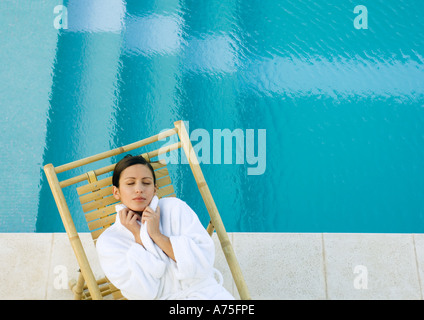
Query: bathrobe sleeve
[[193, 248], [130, 267]]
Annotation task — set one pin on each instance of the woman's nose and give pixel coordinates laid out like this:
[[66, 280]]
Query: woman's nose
[[138, 188]]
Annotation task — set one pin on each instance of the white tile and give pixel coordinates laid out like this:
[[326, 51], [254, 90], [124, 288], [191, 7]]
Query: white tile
[[385, 266], [282, 265], [25, 259]]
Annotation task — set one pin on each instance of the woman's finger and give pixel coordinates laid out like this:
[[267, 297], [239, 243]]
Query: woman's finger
[[134, 218], [123, 214], [145, 216], [148, 209], [129, 216]]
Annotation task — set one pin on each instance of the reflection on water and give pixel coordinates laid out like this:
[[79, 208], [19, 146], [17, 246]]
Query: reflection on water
[[343, 108]]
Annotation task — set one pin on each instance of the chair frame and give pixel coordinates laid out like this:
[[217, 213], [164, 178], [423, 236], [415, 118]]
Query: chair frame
[[87, 278]]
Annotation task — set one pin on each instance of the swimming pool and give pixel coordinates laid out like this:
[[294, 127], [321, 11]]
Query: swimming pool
[[343, 108]]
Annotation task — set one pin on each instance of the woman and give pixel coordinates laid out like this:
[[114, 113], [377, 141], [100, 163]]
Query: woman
[[156, 253]]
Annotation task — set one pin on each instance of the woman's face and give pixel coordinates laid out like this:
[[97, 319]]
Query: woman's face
[[136, 187]]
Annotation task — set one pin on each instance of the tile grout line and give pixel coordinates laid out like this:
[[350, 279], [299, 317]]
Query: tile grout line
[[324, 266], [418, 267], [233, 284]]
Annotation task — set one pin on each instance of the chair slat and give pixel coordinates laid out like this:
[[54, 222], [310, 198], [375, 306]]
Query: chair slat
[[106, 201], [116, 293], [100, 213], [163, 182], [94, 186], [96, 195], [165, 191], [99, 223], [96, 233], [161, 173], [158, 164]]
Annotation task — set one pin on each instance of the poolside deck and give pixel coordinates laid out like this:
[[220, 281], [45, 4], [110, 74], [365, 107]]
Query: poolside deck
[[275, 265]]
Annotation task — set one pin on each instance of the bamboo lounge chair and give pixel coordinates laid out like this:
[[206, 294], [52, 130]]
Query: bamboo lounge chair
[[99, 207]]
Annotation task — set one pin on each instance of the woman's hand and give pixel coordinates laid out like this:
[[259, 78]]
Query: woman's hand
[[129, 220], [153, 219], [162, 241]]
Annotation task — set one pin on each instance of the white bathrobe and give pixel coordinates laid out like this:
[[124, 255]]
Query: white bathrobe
[[146, 272]]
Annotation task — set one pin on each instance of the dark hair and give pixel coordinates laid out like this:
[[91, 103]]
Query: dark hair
[[126, 162]]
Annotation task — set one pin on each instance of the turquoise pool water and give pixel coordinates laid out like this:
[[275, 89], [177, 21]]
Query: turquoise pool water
[[343, 108]]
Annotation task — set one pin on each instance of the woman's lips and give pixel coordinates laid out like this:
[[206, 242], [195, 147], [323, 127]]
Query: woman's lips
[[139, 199]]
